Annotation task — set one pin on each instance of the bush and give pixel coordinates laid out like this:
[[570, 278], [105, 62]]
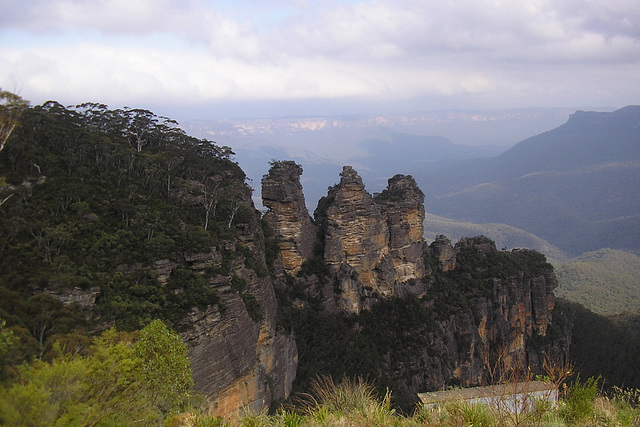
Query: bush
[[580, 399]]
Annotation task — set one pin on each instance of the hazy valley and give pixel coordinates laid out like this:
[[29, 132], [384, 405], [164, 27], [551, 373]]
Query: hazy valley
[[116, 220], [524, 178]]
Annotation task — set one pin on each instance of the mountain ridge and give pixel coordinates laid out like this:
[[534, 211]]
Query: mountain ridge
[[572, 185]]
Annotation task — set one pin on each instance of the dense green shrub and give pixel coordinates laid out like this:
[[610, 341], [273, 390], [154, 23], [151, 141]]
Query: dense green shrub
[[580, 399]]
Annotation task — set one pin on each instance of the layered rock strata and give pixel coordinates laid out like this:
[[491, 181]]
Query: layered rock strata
[[402, 206], [287, 214], [356, 241], [239, 361], [492, 309]]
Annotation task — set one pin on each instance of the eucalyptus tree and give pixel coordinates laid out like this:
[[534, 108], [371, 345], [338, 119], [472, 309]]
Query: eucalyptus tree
[[11, 108]]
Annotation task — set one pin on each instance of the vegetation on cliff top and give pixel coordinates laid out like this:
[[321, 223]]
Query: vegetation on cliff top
[[397, 338], [92, 199], [118, 379]]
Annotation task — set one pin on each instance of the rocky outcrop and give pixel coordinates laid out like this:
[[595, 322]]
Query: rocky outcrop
[[493, 312], [516, 302], [356, 241], [237, 362], [446, 255], [239, 359], [402, 206], [374, 246], [488, 312], [287, 214]]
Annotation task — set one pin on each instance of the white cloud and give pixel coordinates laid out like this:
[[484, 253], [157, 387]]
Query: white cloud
[[138, 51]]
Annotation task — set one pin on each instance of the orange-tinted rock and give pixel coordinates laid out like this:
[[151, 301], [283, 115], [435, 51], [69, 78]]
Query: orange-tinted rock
[[239, 362], [403, 208], [287, 215]]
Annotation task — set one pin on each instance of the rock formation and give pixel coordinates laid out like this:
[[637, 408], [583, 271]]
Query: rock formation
[[402, 205], [443, 250], [493, 308], [239, 361], [288, 215], [356, 240]]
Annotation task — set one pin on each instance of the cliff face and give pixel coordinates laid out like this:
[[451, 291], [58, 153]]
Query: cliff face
[[402, 205], [509, 311], [238, 358], [356, 241], [372, 245], [482, 313], [288, 215]]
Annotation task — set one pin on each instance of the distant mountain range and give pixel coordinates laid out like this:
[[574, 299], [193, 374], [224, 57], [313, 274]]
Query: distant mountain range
[[378, 147], [575, 186]]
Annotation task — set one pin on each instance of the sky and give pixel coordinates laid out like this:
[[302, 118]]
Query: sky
[[208, 59]]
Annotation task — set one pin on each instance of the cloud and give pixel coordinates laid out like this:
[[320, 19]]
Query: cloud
[[137, 51]]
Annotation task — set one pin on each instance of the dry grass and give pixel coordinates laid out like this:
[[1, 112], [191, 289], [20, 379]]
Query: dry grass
[[354, 403]]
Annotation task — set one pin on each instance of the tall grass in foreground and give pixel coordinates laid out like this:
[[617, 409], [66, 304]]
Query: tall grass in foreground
[[354, 403]]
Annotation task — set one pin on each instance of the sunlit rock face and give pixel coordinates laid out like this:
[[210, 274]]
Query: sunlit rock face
[[287, 215], [402, 205], [498, 304], [517, 307], [356, 240], [239, 361], [374, 246]]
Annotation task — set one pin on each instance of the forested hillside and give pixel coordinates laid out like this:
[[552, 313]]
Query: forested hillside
[[93, 198], [115, 223], [606, 282]]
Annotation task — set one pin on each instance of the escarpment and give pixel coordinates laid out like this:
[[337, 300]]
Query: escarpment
[[239, 359], [124, 233], [428, 315]]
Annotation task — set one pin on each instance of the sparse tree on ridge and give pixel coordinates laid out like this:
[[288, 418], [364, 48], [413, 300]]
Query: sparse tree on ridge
[[11, 107]]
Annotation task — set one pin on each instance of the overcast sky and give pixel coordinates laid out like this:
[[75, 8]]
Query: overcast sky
[[197, 59]]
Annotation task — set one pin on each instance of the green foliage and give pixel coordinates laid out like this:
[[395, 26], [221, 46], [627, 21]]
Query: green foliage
[[600, 346], [346, 346], [356, 403], [271, 249], [580, 399], [317, 266], [250, 301], [7, 341], [353, 400], [11, 108], [97, 197], [6, 338], [253, 306], [606, 281], [165, 368], [378, 342], [120, 380]]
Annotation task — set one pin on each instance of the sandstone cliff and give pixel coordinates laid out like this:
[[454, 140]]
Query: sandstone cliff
[[287, 214], [373, 245], [481, 314], [402, 205], [238, 358]]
